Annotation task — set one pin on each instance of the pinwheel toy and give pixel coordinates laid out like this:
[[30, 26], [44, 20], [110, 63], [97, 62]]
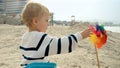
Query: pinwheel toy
[[98, 38]]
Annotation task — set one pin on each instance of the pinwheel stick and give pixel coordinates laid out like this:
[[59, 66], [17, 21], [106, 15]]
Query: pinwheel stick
[[97, 56]]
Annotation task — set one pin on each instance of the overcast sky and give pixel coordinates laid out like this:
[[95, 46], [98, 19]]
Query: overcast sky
[[85, 10]]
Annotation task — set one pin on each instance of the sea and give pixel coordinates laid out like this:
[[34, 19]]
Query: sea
[[113, 28]]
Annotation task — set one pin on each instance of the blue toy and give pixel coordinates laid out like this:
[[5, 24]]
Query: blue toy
[[41, 65]]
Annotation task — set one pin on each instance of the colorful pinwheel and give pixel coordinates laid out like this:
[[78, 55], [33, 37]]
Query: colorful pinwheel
[[99, 36]]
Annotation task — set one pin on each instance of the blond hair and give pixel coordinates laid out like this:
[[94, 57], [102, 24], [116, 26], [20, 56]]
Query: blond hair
[[31, 10]]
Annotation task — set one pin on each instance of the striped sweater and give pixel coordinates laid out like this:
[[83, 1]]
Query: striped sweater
[[35, 46]]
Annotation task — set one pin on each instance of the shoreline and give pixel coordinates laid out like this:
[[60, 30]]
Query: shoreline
[[113, 28]]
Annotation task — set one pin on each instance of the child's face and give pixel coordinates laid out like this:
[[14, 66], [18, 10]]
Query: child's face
[[43, 23]]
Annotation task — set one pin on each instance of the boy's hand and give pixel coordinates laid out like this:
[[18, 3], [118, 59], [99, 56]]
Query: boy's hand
[[86, 33]]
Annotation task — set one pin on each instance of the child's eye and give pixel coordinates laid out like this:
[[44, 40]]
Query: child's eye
[[48, 20]]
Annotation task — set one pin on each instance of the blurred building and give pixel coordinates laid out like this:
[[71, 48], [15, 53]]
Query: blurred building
[[72, 20], [11, 6], [10, 11]]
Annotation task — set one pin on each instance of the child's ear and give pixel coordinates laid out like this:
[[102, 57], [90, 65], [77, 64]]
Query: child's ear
[[35, 21]]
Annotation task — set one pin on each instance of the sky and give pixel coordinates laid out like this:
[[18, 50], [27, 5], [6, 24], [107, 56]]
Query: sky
[[84, 10]]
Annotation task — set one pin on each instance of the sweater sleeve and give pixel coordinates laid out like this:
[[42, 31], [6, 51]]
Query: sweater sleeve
[[63, 45], [42, 45]]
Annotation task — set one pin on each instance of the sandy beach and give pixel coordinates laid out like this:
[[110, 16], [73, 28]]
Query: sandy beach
[[83, 57]]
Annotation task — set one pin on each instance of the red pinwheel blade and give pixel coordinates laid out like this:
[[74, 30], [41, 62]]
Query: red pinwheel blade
[[104, 39], [91, 27]]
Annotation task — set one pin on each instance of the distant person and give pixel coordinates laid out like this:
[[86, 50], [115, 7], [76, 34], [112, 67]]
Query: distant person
[[36, 45]]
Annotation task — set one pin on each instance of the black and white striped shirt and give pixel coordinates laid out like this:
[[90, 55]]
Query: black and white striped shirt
[[35, 46]]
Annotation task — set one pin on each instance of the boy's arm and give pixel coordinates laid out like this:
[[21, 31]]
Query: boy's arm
[[62, 45], [66, 44]]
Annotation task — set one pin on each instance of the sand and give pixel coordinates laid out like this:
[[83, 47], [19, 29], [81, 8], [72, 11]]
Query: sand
[[83, 57]]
